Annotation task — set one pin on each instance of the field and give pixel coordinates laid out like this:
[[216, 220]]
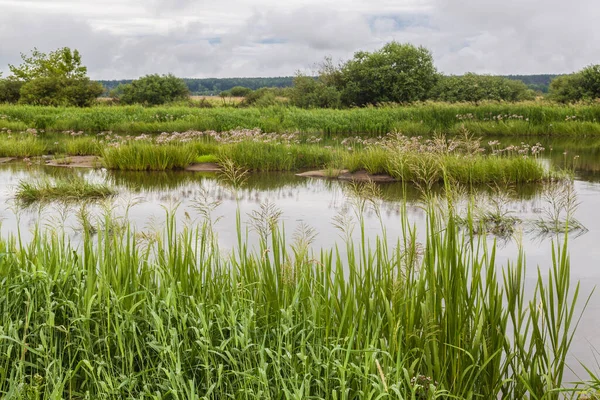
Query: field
[[529, 118]]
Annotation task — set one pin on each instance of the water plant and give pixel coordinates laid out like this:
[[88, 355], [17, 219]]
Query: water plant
[[133, 314], [143, 155], [70, 188]]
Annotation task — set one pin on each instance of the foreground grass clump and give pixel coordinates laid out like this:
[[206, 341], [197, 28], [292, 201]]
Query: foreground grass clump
[[526, 118], [147, 156], [130, 314], [65, 189]]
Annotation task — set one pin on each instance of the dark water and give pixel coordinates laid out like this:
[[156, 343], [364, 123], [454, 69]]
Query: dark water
[[145, 196]]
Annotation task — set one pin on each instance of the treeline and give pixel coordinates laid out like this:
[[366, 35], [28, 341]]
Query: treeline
[[214, 86], [538, 83], [397, 73]]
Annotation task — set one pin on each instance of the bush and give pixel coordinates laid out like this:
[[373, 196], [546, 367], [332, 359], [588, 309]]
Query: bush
[[262, 97], [154, 90], [475, 88], [582, 85], [239, 91], [10, 90], [314, 93], [56, 91]]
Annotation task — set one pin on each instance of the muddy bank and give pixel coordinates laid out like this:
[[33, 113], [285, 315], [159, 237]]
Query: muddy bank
[[345, 175]]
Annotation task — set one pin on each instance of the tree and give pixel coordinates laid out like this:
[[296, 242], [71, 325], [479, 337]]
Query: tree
[[475, 88], [590, 82], [395, 73], [154, 90], [582, 85], [61, 63], [56, 79], [239, 91]]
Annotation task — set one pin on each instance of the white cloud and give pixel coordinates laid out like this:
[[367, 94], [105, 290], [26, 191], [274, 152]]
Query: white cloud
[[129, 38]]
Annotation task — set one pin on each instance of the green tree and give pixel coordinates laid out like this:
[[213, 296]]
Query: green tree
[[395, 73], [590, 82], [566, 88], [582, 85], [239, 91], [61, 63], [475, 88], [154, 90], [56, 79]]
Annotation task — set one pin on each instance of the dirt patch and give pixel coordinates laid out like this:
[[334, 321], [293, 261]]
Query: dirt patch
[[203, 167], [363, 176], [345, 175], [75, 162]]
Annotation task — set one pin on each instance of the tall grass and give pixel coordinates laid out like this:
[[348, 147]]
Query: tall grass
[[528, 118], [72, 188], [164, 315], [21, 146], [147, 156]]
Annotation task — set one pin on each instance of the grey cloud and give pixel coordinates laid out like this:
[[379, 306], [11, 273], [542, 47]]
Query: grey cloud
[[236, 38]]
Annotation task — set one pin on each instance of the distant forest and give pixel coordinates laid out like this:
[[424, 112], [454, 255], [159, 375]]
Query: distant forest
[[214, 86]]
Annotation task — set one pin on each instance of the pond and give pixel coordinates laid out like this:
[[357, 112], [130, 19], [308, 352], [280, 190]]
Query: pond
[[320, 203]]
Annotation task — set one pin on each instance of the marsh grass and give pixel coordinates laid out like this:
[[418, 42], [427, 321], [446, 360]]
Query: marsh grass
[[21, 145], [527, 118], [61, 189], [132, 314], [147, 156]]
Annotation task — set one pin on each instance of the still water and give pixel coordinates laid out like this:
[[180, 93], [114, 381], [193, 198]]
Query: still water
[[317, 203]]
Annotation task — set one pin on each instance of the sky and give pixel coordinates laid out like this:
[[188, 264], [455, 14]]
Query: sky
[[120, 39]]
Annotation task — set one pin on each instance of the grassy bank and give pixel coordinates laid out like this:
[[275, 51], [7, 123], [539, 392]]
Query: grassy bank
[[529, 118], [164, 315], [415, 160]]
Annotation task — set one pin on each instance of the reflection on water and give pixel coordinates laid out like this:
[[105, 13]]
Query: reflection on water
[[316, 203]]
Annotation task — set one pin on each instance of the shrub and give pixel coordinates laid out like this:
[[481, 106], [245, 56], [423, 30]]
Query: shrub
[[475, 88], [154, 90], [582, 85], [314, 93], [239, 91], [10, 90], [57, 91]]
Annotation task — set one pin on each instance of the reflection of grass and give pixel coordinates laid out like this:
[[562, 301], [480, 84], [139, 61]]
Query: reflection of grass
[[66, 189]]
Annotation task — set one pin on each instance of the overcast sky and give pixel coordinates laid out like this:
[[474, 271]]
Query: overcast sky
[[243, 38]]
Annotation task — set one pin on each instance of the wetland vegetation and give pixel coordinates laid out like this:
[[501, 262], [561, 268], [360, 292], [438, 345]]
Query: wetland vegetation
[[167, 311]]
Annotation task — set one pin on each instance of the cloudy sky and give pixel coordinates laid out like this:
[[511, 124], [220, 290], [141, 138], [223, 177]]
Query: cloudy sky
[[227, 38]]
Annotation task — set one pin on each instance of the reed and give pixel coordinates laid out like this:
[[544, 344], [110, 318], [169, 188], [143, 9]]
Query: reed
[[130, 314], [147, 156], [71, 188]]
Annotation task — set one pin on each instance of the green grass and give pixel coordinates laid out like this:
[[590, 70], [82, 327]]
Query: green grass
[[63, 189], [527, 118], [21, 146], [207, 158], [276, 157], [164, 315], [146, 156]]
